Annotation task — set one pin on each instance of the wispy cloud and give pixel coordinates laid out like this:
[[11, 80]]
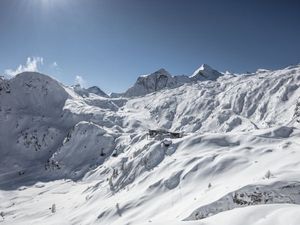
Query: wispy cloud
[[54, 64], [32, 65], [79, 80]]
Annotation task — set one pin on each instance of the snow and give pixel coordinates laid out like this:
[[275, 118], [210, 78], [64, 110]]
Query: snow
[[205, 72], [156, 81], [162, 79], [73, 158], [87, 92]]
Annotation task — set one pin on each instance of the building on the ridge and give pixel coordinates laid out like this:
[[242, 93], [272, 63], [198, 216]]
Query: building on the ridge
[[152, 133]]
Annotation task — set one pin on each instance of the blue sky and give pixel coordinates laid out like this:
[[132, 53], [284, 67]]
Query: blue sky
[[109, 43]]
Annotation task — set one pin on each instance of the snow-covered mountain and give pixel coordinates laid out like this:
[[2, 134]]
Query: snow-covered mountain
[[85, 92], [153, 82], [161, 79], [205, 72], [71, 155]]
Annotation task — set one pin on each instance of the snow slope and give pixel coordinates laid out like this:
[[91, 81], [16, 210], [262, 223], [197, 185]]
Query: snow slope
[[73, 159]]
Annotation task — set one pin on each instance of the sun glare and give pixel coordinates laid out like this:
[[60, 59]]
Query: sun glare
[[48, 4]]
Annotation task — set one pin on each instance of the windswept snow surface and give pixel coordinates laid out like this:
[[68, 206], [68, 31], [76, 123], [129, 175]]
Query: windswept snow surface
[[68, 157]]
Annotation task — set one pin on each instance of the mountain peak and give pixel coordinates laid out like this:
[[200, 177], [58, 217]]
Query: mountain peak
[[159, 72], [163, 71], [97, 91], [85, 92], [205, 67], [205, 72], [152, 82]]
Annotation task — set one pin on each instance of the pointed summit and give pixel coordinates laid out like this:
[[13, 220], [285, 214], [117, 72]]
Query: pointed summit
[[205, 72], [160, 72], [85, 92], [205, 67], [152, 82], [97, 91], [162, 79]]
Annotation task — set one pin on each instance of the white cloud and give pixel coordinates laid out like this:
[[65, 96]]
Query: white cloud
[[54, 64], [32, 65], [79, 80]]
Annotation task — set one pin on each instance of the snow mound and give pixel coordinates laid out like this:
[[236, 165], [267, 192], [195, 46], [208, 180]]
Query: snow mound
[[35, 93]]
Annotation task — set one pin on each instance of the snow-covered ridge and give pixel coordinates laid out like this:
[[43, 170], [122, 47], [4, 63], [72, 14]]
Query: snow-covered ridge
[[205, 72], [85, 92], [239, 133], [153, 82], [161, 79]]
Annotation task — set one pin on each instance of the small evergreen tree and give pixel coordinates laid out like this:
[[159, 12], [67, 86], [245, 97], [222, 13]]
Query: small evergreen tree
[[53, 208], [268, 174]]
